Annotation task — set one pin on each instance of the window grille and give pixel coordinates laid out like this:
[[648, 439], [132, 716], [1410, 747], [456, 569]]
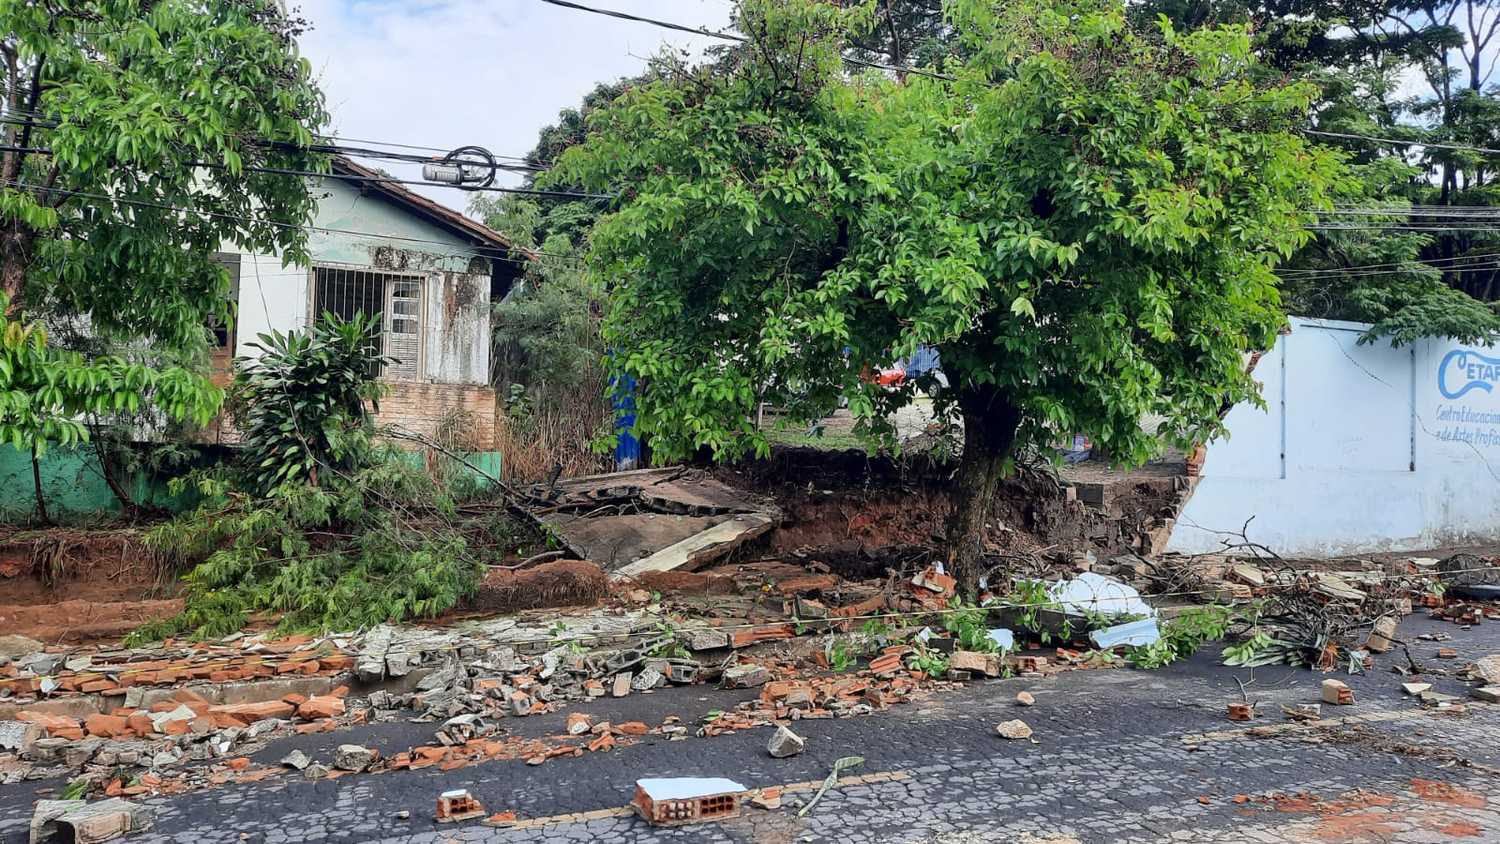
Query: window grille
[[397, 298], [224, 332]]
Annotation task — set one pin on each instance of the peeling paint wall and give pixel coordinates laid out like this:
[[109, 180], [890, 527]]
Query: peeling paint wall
[[458, 329], [456, 280]]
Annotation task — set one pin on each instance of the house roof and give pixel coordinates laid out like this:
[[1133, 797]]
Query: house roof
[[440, 215]]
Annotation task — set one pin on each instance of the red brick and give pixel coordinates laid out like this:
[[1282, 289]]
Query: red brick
[[106, 726], [339, 662], [140, 723], [249, 713], [633, 728], [57, 726], [323, 706]]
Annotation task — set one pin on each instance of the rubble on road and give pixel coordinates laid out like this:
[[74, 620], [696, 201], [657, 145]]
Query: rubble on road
[[1014, 729], [87, 823], [678, 801], [190, 715], [785, 743]]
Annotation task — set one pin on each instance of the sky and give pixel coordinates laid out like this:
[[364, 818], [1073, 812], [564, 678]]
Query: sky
[[449, 73]]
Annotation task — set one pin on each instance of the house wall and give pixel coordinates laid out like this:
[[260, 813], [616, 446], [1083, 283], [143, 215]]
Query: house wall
[[457, 286], [1361, 448], [467, 410], [455, 370]]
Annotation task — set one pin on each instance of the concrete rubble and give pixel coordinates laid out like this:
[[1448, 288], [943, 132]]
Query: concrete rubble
[[83, 822], [785, 743], [181, 716], [1014, 730]]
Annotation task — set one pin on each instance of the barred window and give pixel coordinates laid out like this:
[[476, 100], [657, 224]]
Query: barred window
[[398, 300]]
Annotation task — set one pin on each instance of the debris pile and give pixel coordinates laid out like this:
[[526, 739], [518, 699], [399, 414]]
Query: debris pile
[[112, 672]]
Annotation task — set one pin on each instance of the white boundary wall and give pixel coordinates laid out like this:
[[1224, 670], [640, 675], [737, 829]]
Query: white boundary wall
[[1359, 448]]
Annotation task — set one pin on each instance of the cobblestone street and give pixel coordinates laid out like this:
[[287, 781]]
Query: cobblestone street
[[1117, 755]]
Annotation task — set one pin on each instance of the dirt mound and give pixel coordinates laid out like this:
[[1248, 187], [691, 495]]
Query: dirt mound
[[73, 585], [564, 583], [688, 583]]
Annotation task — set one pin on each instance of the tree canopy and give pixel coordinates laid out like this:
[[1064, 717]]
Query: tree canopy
[[138, 140], [1085, 219]]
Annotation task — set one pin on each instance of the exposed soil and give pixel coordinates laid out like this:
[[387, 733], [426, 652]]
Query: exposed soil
[[862, 515], [72, 585], [563, 583]]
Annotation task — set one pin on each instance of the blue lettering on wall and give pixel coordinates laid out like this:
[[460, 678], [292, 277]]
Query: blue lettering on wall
[[1465, 370]]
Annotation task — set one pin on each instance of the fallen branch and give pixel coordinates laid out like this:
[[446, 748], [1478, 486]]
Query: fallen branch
[[544, 557]]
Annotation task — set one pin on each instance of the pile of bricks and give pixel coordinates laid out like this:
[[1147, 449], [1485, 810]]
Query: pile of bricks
[[601, 737], [829, 696], [184, 713], [107, 672]]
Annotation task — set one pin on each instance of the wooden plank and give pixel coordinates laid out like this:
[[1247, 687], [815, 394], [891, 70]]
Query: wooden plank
[[702, 547]]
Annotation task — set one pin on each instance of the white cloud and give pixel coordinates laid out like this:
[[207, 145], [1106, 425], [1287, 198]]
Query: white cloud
[[490, 72]]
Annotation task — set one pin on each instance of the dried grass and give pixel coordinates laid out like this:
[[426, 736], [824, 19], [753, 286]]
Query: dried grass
[[555, 432]]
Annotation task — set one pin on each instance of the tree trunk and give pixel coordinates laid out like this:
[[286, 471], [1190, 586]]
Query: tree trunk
[[36, 482], [107, 470], [990, 422]]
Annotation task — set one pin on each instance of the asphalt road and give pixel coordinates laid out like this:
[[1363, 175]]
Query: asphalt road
[[1117, 755]]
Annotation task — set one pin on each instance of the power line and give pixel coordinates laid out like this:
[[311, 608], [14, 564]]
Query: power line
[[349, 177], [739, 39], [1400, 142], [1395, 266], [524, 166], [499, 254]]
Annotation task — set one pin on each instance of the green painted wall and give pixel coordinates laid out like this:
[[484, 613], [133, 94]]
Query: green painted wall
[[75, 491], [72, 484]]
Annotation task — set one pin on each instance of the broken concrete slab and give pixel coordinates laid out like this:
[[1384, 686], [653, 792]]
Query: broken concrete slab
[[91, 823], [354, 757], [584, 514], [701, 547], [19, 736], [745, 675], [14, 647], [1486, 668], [1248, 574]]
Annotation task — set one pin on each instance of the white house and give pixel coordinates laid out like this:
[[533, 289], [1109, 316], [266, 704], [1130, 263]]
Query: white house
[[429, 270]]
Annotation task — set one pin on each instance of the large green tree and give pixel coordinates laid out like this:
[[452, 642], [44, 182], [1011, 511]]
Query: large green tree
[[1085, 220], [137, 135]]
